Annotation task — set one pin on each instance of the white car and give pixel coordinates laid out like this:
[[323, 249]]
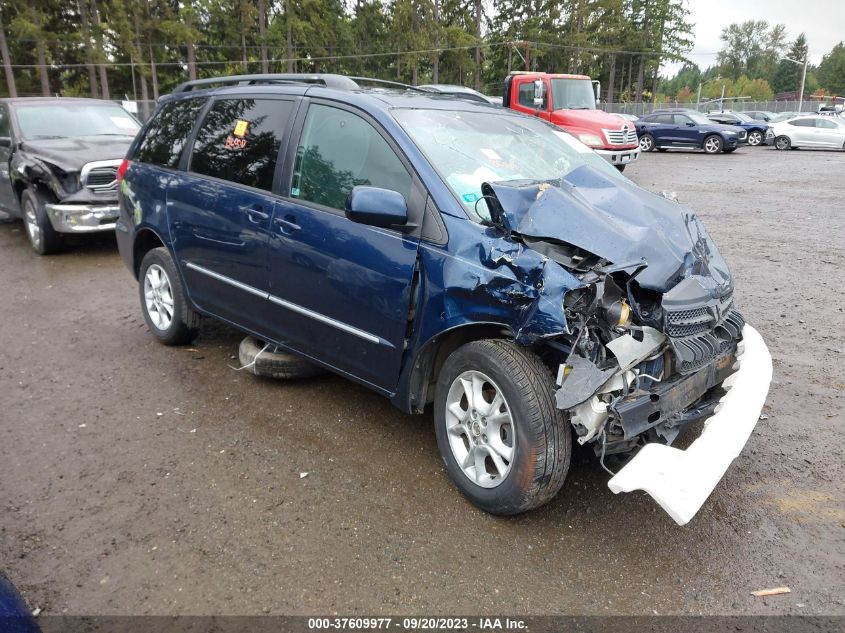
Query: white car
[[811, 132]]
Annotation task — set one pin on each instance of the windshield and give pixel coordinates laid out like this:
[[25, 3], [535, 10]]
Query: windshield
[[743, 117], [573, 94], [71, 120], [470, 148]]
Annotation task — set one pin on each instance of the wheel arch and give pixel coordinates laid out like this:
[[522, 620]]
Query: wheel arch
[[421, 374], [146, 239]]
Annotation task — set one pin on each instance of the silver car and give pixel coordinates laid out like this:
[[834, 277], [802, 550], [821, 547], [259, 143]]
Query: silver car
[[820, 132]]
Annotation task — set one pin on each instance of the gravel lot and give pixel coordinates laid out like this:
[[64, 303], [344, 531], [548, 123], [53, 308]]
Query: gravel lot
[[139, 479]]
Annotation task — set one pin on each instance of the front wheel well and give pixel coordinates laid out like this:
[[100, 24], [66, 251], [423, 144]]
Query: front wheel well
[[433, 355], [145, 241]]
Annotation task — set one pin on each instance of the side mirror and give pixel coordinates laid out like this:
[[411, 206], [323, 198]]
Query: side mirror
[[376, 207], [539, 93], [5, 141], [690, 124]]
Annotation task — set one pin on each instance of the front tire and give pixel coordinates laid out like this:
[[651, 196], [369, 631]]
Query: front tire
[[713, 144], [163, 302], [755, 138], [647, 143], [782, 143], [42, 236], [506, 446]]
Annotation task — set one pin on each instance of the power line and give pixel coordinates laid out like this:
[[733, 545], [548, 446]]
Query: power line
[[427, 51]]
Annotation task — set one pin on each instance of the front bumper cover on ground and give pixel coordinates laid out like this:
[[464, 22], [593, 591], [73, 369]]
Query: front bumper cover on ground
[[82, 218], [681, 480]]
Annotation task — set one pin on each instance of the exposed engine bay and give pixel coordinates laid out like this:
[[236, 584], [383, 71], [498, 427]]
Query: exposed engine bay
[[653, 330]]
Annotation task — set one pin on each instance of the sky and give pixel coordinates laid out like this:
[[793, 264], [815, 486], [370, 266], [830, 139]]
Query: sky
[[823, 22]]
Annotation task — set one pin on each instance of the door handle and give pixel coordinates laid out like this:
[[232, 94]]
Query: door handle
[[255, 213], [287, 224]]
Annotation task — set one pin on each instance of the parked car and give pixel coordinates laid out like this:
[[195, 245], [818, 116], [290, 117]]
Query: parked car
[[663, 129], [757, 131], [457, 91], [61, 157], [626, 116], [760, 115], [817, 132], [449, 253]]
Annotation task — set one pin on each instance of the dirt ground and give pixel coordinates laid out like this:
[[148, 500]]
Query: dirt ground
[[140, 479]]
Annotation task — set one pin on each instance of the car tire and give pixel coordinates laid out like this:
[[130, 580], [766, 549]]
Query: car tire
[[532, 441], [39, 230], [713, 144], [621, 168], [729, 150], [783, 143], [268, 361], [646, 143], [166, 310], [755, 138]]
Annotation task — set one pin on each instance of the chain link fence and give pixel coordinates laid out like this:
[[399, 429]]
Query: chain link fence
[[643, 108]]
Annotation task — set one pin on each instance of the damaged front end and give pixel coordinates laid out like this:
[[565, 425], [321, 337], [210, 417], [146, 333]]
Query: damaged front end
[[655, 340]]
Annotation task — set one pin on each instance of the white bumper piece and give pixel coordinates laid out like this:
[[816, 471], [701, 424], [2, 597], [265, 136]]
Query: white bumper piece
[[681, 480]]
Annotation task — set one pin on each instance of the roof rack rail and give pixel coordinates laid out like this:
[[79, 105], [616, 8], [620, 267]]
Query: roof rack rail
[[328, 80], [387, 83]]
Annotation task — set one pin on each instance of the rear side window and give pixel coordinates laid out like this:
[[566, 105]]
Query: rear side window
[[802, 123], [168, 133], [4, 121], [340, 150], [239, 140]]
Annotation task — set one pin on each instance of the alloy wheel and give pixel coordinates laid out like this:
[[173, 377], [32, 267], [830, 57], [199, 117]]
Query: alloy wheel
[[712, 145], [646, 143], [480, 429], [755, 138], [33, 230], [782, 142], [158, 297]]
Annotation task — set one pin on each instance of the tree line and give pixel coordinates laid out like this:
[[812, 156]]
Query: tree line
[[759, 61], [144, 48]]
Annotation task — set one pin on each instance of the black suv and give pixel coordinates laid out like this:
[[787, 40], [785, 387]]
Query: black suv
[[448, 253], [60, 158]]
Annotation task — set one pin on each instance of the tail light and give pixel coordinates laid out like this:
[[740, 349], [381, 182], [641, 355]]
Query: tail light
[[121, 171]]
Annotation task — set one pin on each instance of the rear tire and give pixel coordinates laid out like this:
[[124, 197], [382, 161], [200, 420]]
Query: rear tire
[[163, 301], [783, 143], [42, 237], [647, 143], [267, 361], [523, 461]]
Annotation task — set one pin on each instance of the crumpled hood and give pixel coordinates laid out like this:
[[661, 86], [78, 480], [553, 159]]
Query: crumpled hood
[[70, 154], [613, 218]]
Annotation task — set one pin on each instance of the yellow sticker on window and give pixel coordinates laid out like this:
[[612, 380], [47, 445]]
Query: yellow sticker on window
[[240, 128]]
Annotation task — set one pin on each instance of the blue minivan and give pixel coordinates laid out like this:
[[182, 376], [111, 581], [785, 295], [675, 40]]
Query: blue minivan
[[449, 254]]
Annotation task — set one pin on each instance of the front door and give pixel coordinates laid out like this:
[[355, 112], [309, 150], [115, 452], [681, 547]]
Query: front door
[[8, 201], [341, 291], [220, 209]]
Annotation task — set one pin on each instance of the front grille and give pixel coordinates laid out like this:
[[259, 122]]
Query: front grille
[[700, 333], [100, 176], [621, 137]]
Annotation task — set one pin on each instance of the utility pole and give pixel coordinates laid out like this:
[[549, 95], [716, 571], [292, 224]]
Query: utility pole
[[803, 80]]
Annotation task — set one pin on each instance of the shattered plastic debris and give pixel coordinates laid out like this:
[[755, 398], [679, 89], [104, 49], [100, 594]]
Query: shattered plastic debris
[[303, 475]]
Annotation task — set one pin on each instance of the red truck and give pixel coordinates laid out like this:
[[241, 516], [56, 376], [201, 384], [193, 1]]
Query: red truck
[[569, 101]]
